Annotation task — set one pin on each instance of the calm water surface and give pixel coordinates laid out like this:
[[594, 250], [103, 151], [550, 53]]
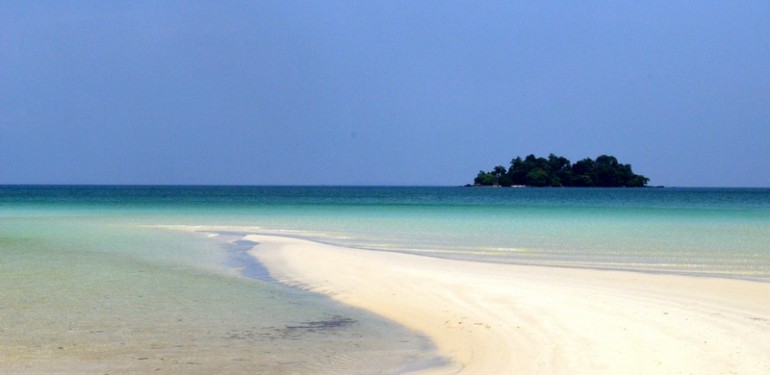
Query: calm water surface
[[103, 273]]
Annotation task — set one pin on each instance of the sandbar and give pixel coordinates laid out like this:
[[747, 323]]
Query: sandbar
[[488, 318]]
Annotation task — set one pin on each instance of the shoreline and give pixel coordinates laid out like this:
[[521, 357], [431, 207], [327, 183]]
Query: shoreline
[[242, 231], [502, 318]]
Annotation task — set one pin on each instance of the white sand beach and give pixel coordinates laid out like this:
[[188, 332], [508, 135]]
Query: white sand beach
[[508, 319]]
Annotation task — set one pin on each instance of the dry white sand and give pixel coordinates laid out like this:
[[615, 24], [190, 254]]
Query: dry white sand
[[508, 319]]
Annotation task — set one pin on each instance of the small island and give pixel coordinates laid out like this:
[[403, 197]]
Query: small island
[[558, 171]]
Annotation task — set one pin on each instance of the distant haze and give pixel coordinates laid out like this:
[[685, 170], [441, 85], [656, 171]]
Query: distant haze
[[380, 92]]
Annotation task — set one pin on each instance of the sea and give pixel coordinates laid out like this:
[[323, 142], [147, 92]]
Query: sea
[[131, 279]]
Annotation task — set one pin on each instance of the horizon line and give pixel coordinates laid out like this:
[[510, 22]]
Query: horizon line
[[348, 185]]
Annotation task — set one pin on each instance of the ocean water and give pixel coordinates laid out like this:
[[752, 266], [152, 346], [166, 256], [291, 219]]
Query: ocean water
[[134, 279]]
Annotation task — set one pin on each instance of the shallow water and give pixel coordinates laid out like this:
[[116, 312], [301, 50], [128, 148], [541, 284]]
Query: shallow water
[[154, 277], [100, 293]]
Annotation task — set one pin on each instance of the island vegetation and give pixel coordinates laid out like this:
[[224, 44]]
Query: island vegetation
[[558, 171]]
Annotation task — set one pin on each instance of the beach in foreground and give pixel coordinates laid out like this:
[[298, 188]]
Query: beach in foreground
[[134, 280], [491, 318]]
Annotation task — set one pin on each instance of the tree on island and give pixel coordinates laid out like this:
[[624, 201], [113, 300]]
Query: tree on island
[[557, 171]]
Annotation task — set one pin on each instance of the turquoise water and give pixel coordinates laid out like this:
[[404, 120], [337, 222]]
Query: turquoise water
[[106, 272]]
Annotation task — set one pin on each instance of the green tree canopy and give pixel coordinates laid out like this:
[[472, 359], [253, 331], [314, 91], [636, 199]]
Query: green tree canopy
[[556, 171]]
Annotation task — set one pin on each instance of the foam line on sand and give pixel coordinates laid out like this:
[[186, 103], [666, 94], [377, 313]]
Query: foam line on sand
[[508, 319]]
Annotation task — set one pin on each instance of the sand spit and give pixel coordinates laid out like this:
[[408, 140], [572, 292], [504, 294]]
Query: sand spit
[[508, 319]]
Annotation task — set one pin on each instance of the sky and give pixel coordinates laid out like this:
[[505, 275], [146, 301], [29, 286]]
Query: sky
[[380, 92]]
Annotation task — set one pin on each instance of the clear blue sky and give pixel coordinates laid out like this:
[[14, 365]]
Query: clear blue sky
[[380, 92]]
